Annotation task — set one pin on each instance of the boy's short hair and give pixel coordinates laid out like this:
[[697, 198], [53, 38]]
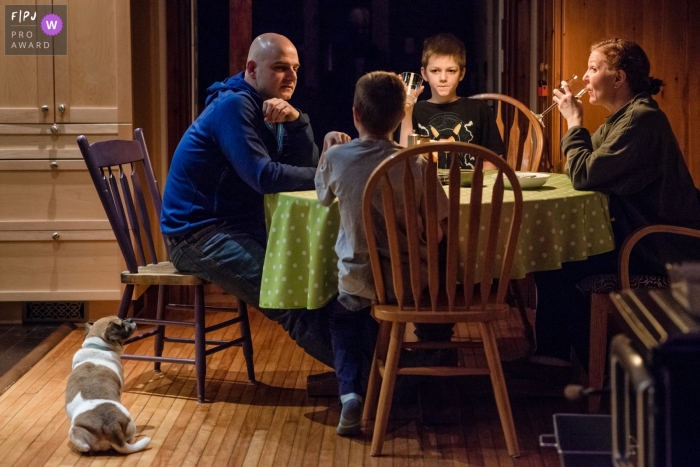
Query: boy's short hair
[[379, 100], [444, 45]]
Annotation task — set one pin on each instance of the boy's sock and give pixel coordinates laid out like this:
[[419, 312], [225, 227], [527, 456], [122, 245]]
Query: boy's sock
[[351, 415]]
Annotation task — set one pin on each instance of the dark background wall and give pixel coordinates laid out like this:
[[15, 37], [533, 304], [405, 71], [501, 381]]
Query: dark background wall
[[344, 49]]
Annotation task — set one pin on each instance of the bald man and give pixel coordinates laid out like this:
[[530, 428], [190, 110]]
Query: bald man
[[248, 141]]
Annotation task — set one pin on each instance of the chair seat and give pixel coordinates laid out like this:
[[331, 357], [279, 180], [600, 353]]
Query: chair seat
[[442, 315], [163, 273], [458, 313], [606, 283]]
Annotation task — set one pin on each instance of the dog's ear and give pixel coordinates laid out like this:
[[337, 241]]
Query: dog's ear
[[117, 332], [88, 326]]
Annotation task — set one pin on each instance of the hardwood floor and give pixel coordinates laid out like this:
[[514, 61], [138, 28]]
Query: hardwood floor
[[269, 423], [17, 340]]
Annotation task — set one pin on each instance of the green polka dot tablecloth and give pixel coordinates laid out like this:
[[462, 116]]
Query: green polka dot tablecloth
[[559, 224]]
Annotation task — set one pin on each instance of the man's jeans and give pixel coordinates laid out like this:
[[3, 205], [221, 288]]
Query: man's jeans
[[234, 261]]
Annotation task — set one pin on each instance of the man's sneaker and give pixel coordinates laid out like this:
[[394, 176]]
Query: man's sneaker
[[351, 415]]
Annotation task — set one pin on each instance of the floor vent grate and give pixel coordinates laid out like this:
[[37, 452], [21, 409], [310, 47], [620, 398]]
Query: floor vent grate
[[53, 312]]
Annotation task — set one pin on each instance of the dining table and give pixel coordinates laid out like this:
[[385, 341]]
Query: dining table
[[559, 224]]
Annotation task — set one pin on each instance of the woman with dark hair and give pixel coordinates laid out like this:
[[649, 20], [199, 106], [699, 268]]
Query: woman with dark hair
[[634, 158]]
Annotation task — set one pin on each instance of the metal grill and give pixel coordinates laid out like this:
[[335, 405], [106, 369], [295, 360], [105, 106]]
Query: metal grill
[[53, 312]]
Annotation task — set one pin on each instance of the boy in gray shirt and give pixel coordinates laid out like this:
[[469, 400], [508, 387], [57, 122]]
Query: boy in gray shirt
[[342, 173]]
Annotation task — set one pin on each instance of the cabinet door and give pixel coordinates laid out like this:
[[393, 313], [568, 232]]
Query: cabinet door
[[26, 82], [40, 195], [54, 142], [93, 80], [58, 265]]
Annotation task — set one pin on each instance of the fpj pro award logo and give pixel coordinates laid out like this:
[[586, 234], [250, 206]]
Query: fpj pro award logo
[[36, 29]]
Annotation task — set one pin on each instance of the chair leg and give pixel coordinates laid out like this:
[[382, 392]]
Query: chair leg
[[517, 292], [375, 379], [126, 301], [601, 305], [499, 388], [386, 394], [160, 336], [200, 358], [247, 340]]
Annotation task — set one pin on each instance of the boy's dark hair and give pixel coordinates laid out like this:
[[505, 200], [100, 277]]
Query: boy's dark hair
[[380, 98], [444, 45]]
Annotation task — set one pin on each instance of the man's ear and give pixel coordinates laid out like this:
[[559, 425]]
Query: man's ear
[[422, 73], [251, 67], [462, 73], [88, 326]]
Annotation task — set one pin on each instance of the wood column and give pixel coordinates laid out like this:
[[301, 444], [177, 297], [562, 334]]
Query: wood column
[[241, 34]]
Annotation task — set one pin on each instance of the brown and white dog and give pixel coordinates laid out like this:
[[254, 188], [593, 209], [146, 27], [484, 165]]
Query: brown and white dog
[[93, 395]]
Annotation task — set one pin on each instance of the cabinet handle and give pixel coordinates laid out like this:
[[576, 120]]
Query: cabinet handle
[[55, 235], [54, 129], [45, 108], [61, 108], [54, 165]]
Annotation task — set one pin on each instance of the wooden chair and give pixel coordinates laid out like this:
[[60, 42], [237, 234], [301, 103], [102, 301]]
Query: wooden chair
[[524, 140], [601, 285], [118, 169], [466, 295]]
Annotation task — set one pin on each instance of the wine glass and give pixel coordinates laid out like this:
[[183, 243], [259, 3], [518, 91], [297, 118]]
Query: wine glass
[[577, 88]]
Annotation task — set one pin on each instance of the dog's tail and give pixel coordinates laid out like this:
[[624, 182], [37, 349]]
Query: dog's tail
[[128, 448], [119, 436]]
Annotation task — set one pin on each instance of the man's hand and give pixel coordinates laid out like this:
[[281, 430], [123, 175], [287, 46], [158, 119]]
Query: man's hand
[[334, 137], [279, 111]]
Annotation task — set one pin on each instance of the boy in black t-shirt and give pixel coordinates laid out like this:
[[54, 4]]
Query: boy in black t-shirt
[[446, 116]]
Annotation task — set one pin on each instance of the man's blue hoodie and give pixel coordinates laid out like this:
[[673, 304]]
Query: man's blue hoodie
[[229, 158]]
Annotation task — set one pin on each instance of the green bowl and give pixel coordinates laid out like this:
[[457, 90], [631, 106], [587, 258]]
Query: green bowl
[[465, 176]]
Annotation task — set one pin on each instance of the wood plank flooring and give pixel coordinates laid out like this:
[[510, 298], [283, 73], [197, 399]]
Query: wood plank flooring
[[268, 423]]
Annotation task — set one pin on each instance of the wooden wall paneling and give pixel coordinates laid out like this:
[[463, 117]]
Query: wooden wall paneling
[[178, 38], [240, 35], [692, 154], [148, 52], [544, 54], [552, 125], [666, 31], [179, 56], [516, 50], [670, 66]]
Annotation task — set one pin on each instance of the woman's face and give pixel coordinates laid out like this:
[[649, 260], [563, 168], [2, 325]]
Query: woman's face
[[600, 81]]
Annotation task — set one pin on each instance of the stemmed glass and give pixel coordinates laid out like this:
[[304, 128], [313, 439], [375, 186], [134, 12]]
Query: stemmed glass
[[574, 84]]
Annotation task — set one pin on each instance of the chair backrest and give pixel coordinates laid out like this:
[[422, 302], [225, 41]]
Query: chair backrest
[[633, 238], [524, 137], [486, 234], [118, 169]]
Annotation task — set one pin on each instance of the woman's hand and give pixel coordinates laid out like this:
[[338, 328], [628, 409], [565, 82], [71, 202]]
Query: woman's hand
[[569, 107]]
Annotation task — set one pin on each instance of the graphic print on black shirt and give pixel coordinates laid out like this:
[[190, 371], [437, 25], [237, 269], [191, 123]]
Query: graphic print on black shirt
[[466, 120], [450, 127]]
